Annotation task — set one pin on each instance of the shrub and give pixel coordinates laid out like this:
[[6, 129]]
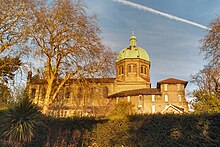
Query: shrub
[[21, 122]]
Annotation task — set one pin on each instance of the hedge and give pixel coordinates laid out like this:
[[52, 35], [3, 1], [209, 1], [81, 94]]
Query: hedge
[[138, 130]]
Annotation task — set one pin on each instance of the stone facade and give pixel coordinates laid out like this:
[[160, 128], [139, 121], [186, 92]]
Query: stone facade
[[98, 96]]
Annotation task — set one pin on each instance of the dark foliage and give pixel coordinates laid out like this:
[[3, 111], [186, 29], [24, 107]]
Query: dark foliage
[[20, 123], [139, 130], [8, 66]]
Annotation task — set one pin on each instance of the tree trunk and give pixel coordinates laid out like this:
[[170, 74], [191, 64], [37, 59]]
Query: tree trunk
[[47, 100]]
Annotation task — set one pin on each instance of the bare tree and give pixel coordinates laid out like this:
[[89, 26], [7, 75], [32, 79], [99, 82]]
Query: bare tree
[[13, 28], [13, 23], [211, 42], [68, 40], [207, 96], [208, 79]]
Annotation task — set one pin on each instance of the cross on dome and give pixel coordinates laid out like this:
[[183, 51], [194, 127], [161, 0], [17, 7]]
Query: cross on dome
[[133, 41], [133, 31]]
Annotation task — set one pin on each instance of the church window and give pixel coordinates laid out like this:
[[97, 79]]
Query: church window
[[165, 87], [142, 69], [140, 100], [33, 92], [166, 98], [153, 109], [120, 70], [180, 98], [129, 98], [129, 69], [105, 92], [178, 87], [67, 94], [134, 68], [153, 98]]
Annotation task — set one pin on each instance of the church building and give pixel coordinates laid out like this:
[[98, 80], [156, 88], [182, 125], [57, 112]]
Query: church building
[[98, 96]]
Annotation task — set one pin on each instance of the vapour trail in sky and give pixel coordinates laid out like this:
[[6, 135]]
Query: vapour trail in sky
[[148, 9]]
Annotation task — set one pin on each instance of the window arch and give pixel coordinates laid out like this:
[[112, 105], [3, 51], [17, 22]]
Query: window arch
[[67, 93], [134, 68], [33, 92], [129, 68], [105, 92], [121, 70], [144, 69]]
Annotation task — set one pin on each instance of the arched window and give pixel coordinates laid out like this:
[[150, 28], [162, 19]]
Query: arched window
[[166, 98], [119, 71], [122, 70], [134, 68], [142, 69], [33, 92], [129, 69], [67, 93]]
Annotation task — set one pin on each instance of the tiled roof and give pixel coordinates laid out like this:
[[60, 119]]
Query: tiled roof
[[145, 91], [172, 81]]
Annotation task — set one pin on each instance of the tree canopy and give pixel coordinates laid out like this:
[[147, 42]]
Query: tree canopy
[[60, 37], [68, 42], [207, 96]]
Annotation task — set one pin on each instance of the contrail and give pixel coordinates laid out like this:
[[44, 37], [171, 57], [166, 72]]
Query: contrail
[[148, 9]]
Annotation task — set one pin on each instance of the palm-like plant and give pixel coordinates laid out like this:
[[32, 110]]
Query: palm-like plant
[[21, 122]]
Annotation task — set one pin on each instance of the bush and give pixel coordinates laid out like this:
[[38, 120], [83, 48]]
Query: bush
[[21, 122], [137, 130]]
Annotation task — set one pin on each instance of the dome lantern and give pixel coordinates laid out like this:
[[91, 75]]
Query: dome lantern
[[133, 41]]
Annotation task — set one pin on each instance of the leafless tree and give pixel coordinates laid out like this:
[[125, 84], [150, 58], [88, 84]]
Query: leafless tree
[[211, 42], [207, 96], [68, 41], [13, 23], [208, 79]]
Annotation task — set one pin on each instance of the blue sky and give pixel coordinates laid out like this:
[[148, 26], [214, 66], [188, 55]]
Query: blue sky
[[173, 46]]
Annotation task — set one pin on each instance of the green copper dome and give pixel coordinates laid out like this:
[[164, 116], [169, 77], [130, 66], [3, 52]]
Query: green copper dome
[[137, 52], [133, 51]]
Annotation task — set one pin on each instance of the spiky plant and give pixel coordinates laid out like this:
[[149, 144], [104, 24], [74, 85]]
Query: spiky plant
[[21, 122]]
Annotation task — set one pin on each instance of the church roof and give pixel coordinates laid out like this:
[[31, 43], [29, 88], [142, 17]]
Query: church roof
[[172, 81], [176, 108], [133, 51], [92, 80], [144, 91]]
